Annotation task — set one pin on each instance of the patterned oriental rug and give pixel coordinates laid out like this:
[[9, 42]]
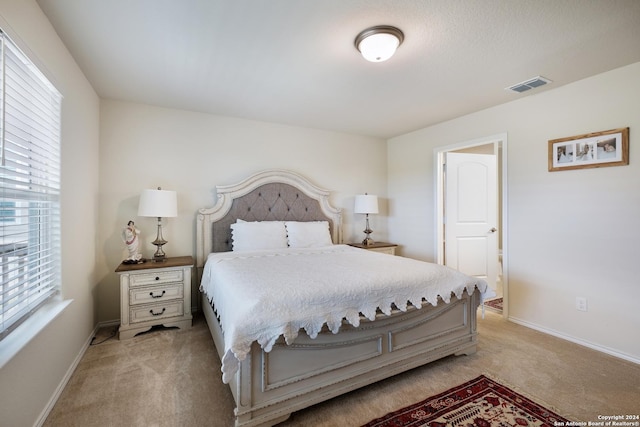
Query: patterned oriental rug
[[481, 402], [494, 303]]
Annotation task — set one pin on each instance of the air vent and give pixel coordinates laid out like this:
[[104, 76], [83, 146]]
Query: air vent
[[529, 84]]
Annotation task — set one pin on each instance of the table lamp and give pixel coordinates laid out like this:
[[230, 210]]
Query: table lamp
[[366, 204], [158, 203]]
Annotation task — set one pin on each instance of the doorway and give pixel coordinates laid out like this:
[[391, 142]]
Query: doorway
[[493, 146]]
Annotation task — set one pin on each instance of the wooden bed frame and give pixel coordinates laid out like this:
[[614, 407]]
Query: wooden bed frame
[[268, 387]]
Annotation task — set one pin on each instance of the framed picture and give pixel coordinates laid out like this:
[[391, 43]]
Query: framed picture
[[591, 150]]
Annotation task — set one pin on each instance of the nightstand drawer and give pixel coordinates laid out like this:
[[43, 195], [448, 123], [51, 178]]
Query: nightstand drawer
[[143, 313], [391, 250], [141, 279], [146, 295], [385, 248]]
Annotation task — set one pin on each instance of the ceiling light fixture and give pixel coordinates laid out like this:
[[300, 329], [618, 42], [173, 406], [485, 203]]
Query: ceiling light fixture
[[379, 43]]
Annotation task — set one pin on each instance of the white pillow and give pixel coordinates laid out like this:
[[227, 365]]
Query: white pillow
[[308, 234], [249, 236]]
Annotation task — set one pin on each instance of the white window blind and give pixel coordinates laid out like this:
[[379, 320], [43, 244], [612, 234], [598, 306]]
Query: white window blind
[[29, 187]]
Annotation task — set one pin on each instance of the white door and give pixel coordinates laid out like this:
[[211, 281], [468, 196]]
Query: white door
[[471, 220]]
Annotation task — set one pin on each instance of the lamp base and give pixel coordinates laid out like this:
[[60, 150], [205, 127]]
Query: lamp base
[[368, 241], [159, 256]]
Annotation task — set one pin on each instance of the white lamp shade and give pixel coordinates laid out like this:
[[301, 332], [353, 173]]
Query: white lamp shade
[[158, 203], [378, 47], [366, 204]]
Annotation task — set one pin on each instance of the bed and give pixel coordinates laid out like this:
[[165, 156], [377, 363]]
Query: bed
[[340, 335]]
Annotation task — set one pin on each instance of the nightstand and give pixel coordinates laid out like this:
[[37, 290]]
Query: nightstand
[[155, 293], [387, 248]]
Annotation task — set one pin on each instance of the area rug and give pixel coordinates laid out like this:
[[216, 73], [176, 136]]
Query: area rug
[[496, 304], [481, 402]]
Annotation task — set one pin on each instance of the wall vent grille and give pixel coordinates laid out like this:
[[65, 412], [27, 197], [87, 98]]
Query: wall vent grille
[[529, 84]]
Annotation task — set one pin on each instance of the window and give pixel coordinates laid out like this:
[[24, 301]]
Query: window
[[29, 187]]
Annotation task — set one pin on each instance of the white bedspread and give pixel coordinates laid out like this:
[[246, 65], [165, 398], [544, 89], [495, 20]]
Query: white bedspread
[[261, 295]]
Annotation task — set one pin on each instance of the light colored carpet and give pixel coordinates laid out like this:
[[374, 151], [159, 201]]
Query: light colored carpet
[[172, 378]]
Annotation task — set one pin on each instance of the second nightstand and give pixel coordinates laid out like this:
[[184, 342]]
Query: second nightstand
[[155, 293], [387, 248]]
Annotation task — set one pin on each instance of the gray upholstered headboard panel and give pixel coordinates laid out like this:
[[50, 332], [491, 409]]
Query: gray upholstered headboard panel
[[269, 202], [272, 195]]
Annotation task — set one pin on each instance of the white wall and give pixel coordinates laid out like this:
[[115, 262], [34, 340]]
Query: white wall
[[30, 379], [145, 147], [570, 233]]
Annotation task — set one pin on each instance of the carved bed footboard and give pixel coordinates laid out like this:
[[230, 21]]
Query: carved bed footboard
[[270, 386]]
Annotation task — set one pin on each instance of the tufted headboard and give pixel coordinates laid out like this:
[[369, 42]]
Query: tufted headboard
[[271, 195]]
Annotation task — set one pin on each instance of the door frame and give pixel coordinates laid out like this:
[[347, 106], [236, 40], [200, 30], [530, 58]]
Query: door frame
[[499, 142]]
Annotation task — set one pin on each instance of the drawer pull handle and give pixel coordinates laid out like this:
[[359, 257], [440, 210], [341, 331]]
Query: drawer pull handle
[[157, 314], [157, 278], [157, 296]]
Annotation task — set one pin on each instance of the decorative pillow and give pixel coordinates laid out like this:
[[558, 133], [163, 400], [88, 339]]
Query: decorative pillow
[[308, 234], [248, 236]]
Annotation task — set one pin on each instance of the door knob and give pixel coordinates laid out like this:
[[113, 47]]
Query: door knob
[[493, 230]]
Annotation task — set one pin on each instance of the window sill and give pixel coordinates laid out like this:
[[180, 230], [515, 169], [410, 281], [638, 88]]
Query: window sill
[[23, 334]]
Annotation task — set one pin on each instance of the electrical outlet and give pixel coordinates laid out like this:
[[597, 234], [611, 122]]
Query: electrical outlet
[[581, 304]]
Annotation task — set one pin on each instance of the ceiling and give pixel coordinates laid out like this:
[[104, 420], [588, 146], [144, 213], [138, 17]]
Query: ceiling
[[294, 61]]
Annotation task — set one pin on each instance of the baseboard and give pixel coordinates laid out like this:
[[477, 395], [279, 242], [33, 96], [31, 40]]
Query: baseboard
[[584, 343], [63, 383], [107, 324]]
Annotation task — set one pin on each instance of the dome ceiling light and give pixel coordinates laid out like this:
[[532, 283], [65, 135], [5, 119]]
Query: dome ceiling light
[[379, 43]]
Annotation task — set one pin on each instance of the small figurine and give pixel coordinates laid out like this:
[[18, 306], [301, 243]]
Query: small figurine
[[130, 238]]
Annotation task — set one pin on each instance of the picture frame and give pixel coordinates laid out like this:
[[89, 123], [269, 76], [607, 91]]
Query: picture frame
[[591, 150]]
